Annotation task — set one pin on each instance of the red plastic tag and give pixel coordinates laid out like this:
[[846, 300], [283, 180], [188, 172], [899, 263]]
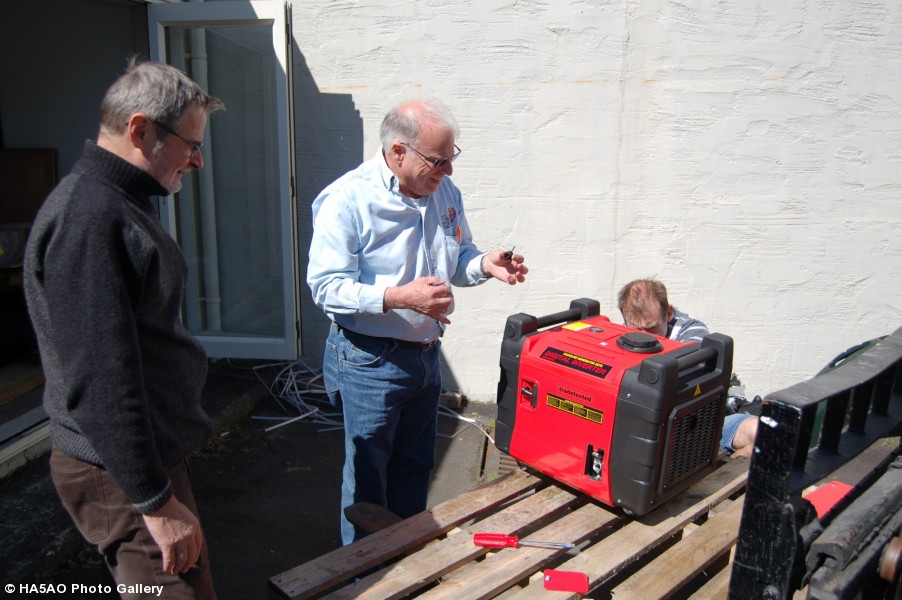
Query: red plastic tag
[[825, 497], [566, 581]]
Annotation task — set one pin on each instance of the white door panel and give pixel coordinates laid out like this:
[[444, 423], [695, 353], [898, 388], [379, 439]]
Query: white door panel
[[235, 219]]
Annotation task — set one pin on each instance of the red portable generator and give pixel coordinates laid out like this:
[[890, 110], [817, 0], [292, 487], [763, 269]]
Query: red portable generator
[[626, 417]]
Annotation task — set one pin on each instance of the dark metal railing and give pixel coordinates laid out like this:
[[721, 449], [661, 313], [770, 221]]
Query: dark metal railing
[[805, 433]]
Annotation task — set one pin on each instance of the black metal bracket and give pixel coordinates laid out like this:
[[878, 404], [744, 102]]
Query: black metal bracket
[[805, 433]]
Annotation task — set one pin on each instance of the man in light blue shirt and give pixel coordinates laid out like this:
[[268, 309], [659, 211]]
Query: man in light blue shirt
[[644, 306], [390, 238]]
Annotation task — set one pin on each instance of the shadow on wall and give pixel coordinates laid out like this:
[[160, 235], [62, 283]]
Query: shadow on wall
[[329, 143]]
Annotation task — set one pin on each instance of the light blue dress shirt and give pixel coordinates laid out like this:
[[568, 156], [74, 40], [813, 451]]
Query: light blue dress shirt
[[368, 236]]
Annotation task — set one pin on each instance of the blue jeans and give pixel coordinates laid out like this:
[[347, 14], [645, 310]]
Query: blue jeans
[[730, 427], [388, 394]]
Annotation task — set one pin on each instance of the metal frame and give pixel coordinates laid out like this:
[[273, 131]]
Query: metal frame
[[247, 13], [857, 400]]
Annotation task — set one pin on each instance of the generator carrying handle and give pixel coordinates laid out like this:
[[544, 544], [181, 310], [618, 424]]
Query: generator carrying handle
[[693, 359], [522, 324], [706, 361], [579, 309]]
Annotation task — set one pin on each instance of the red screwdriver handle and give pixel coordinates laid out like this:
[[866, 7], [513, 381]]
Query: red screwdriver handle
[[496, 540]]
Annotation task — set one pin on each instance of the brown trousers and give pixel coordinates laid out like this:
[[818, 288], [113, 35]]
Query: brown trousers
[[106, 517]]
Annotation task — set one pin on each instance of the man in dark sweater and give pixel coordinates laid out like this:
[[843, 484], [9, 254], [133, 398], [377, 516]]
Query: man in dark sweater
[[105, 283]]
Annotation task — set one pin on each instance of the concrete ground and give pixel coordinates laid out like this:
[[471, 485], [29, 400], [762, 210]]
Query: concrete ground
[[269, 501]]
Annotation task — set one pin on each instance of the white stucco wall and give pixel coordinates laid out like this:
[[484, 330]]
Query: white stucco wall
[[746, 152]]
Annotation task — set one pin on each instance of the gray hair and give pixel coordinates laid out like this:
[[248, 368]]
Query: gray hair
[[407, 120], [160, 91]]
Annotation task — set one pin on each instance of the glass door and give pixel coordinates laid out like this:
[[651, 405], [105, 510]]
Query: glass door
[[235, 219]]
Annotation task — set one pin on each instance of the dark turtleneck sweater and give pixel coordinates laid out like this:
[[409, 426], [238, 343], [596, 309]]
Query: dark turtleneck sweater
[[104, 283]]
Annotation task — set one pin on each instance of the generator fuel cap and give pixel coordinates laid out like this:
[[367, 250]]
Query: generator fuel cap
[[643, 343]]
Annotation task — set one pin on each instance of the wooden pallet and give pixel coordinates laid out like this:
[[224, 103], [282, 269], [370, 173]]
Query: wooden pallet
[[432, 555]]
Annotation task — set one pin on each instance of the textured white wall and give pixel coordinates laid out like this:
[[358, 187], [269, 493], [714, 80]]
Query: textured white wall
[[746, 152]]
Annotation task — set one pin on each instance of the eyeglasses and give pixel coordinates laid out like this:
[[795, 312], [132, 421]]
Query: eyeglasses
[[195, 147], [437, 163]]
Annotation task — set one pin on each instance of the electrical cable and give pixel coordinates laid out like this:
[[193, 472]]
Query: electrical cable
[[445, 411], [297, 387]]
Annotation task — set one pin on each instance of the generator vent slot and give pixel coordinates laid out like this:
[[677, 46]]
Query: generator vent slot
[[690, 438]]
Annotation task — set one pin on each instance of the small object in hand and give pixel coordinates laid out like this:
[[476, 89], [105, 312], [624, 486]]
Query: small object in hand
[[509, 254], [500, 540], [566, 581]]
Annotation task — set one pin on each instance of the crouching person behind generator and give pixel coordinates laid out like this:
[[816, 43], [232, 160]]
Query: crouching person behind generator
[[104, 283], [644, 306]]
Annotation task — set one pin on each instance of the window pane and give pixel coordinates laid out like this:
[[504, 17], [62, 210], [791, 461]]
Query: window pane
[[228, 214]]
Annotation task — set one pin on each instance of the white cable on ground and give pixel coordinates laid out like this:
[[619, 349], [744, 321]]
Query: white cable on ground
[[298, 387], [298, 418], [444, 410]]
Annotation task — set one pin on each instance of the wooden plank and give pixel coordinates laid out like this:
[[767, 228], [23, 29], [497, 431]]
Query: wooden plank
[[443, 556], [371, 517], [17, 379], [537, 579], [680, 563], [716, 588], [508, 565], [634, 540], [344, 563]]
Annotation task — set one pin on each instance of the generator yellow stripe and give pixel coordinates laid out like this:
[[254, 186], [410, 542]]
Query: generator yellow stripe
[[575, 409]]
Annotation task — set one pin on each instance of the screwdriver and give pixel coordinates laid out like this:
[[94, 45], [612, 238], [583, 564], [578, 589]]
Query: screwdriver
[[500, 540]]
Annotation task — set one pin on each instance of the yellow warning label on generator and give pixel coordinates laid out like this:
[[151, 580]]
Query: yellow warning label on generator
[[574, 408], [575, 326]]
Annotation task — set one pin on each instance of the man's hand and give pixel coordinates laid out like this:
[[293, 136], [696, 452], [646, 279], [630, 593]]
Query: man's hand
[[177, 532], [427, 295], [509, 270]]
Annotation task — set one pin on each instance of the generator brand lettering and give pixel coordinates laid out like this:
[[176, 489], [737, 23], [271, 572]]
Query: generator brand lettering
[[575, 394], [580, 363], [577, 410]]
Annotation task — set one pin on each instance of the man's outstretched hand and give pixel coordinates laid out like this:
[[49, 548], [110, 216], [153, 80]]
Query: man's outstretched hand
[[505, 266]]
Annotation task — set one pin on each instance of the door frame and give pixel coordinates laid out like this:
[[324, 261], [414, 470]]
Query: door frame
[[237, 13]]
